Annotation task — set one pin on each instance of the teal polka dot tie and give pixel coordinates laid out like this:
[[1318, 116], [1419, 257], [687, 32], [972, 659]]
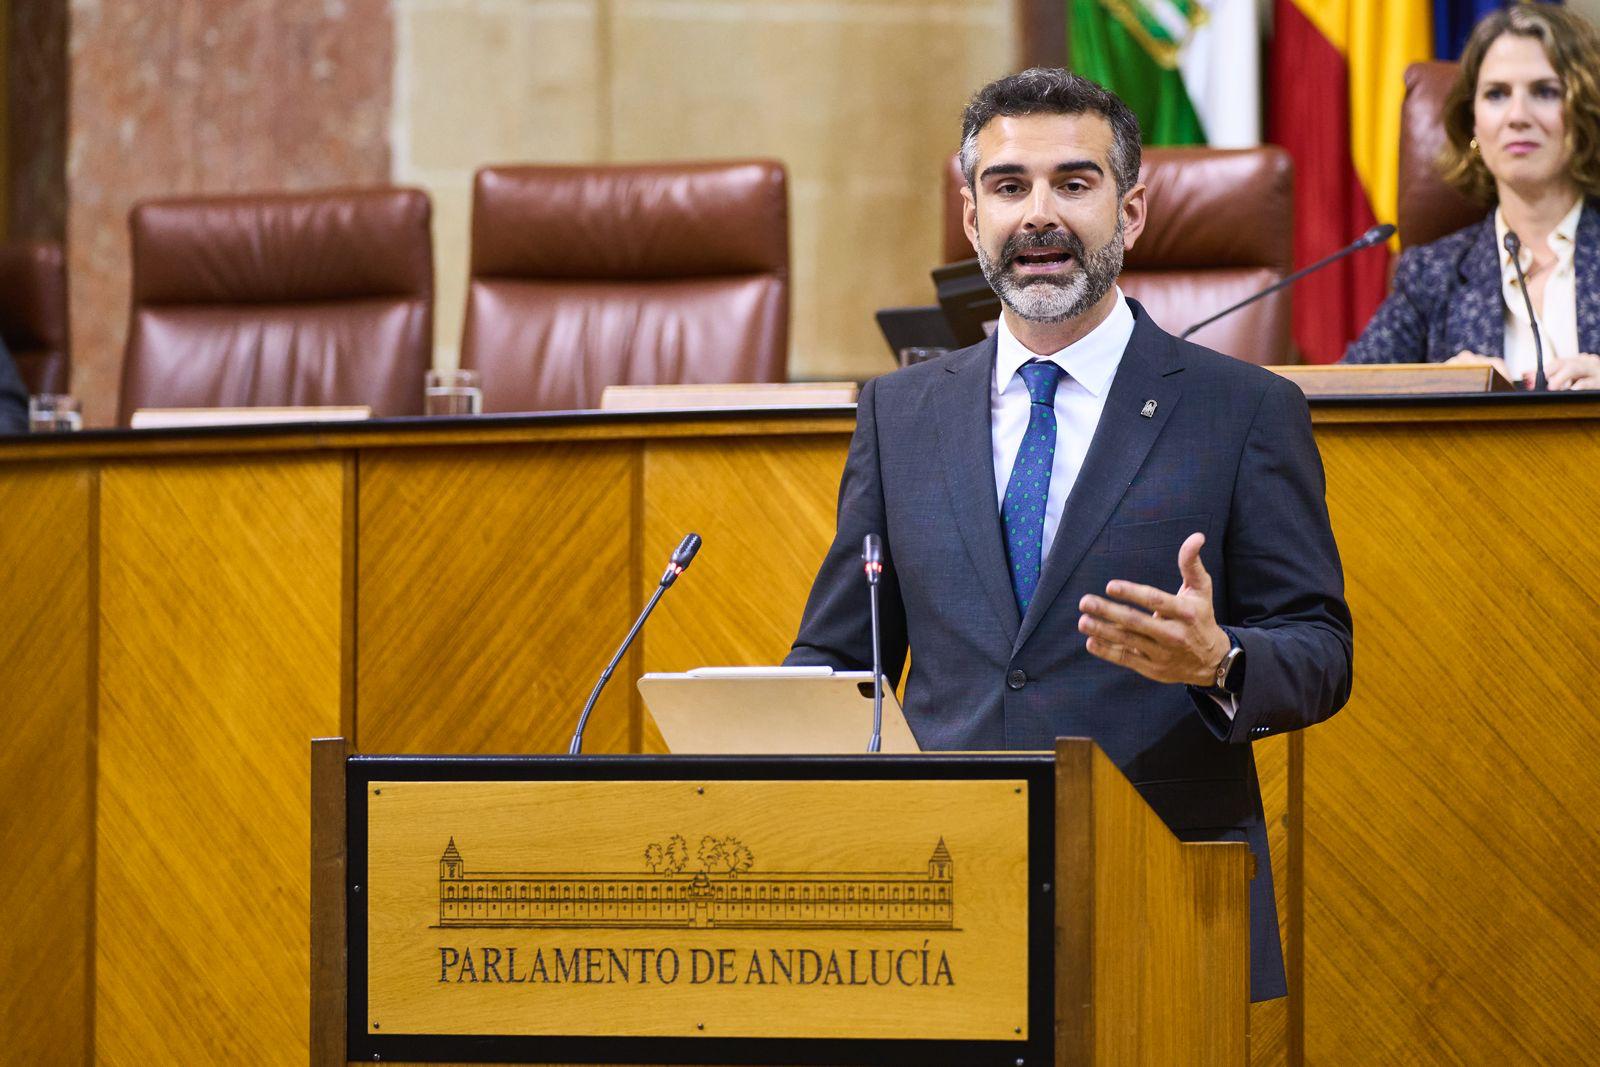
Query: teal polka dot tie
[[1022, 511]]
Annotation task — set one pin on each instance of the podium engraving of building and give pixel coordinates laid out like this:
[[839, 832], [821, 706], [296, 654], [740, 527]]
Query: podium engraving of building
[[721, 894]]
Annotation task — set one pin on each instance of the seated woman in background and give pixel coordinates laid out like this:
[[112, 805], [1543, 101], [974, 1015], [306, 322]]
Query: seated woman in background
[[1523, 123]]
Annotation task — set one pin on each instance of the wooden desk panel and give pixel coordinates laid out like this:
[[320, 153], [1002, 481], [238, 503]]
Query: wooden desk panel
[[766, 510], [1452, 867], [495, 584], [46, 792], [221, 617]]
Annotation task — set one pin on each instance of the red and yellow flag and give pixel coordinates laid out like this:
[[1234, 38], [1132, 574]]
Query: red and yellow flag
[[1337, 79]]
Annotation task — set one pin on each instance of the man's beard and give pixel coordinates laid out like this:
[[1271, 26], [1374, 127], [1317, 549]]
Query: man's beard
[[1044, 299]]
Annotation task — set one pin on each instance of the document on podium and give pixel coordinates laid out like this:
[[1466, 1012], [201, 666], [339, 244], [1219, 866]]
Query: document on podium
[[771, 711]]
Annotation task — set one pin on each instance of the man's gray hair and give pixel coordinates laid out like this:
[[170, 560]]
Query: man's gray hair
[[1050, 91]]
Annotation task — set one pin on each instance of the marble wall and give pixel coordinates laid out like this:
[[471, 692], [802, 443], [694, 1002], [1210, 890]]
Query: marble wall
[[860, 99], [206, 96]]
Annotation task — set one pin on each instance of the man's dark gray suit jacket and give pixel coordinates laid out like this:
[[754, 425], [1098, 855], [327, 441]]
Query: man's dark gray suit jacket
[[1227, 450]]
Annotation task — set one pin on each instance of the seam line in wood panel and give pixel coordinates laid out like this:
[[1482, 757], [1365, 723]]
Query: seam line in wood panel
[[349, 587], [92, 757], [636, 549]]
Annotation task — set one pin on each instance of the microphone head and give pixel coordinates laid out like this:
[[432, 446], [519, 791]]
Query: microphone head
[[1512, 242], [686, 550], [872, 556], [681, 558], [1377, 235]]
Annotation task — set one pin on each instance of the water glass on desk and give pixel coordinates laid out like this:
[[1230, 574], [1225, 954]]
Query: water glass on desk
[[54, 413], [452, 392]]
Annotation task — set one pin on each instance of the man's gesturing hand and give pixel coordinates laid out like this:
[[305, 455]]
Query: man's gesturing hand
[[1165, 637]]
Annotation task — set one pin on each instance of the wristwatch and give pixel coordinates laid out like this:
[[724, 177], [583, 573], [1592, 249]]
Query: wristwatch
[[1230, 672]]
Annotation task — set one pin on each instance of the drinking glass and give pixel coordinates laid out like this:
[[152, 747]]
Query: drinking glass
[[452, 392], [54, 413]]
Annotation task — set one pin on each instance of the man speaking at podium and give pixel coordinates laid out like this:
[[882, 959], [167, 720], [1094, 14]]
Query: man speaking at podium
[[1089, 527]]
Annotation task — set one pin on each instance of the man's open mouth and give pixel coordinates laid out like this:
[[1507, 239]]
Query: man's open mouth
[[1042, 259]]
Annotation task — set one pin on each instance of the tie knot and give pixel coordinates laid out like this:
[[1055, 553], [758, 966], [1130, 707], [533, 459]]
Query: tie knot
[[1041, 378]]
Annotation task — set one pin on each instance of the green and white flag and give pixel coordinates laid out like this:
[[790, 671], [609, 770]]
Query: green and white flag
[[1190, 71]]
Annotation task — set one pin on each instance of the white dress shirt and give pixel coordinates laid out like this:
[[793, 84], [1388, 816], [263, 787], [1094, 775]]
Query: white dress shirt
[[1558, 318], [1090, 363]]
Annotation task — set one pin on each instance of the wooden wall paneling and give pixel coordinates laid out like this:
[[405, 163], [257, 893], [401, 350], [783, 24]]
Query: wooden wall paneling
[[495, 583], [765, 507], [1042, 28], [220, 653], [46, 784], [1452, 868]]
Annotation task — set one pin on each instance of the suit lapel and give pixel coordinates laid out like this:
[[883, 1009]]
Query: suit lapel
[[1479, 310], [1117, 450], [966, 447]]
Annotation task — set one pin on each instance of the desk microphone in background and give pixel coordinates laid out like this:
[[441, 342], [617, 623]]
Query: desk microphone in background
[[1375, 236], [872, 563], [1514, 246], [676, 566]]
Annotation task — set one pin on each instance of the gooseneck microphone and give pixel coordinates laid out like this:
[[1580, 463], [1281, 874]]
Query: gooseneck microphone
[[1375, 236], [676, 566], [1514, 246], [872, 563]]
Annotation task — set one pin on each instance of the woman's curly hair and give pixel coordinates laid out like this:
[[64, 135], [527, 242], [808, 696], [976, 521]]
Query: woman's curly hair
[[1572, 44]]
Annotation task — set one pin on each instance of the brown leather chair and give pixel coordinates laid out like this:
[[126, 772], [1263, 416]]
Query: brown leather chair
[[33, 313], [1221, 227], [286, 299], [1428, 208], [584, 277]]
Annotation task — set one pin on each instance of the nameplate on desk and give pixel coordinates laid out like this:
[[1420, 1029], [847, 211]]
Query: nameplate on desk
[[1395, 379], [727, 395], [184, 418], [758, 912]]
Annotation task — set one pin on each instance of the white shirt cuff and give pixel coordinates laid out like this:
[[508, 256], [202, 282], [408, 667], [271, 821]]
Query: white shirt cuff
[[1228, 702]]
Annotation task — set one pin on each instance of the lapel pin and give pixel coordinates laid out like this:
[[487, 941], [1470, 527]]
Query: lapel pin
[[1149, 411]]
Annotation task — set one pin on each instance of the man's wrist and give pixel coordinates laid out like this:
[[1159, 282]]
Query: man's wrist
[[1221, 645], [1229, 676]]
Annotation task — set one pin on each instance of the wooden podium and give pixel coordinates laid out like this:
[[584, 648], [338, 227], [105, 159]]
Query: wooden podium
[[1008, 908]]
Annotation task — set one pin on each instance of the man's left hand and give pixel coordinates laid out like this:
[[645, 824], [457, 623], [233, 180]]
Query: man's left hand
[[1164, 636]]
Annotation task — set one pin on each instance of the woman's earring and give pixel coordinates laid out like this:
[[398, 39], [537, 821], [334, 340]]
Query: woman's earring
[[1473, 144]]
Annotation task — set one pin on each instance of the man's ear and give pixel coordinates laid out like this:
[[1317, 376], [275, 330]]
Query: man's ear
[[1134, 208], [969, 216]]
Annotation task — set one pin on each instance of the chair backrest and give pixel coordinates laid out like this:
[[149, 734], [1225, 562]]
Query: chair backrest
[[1221, 227], [1428, 208], [33, 313], [589, 276], [290, 299]]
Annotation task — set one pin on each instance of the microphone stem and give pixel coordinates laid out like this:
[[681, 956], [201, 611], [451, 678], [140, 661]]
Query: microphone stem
[[1540, 382], [605, 676], [1269, 290], [876, 744]]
